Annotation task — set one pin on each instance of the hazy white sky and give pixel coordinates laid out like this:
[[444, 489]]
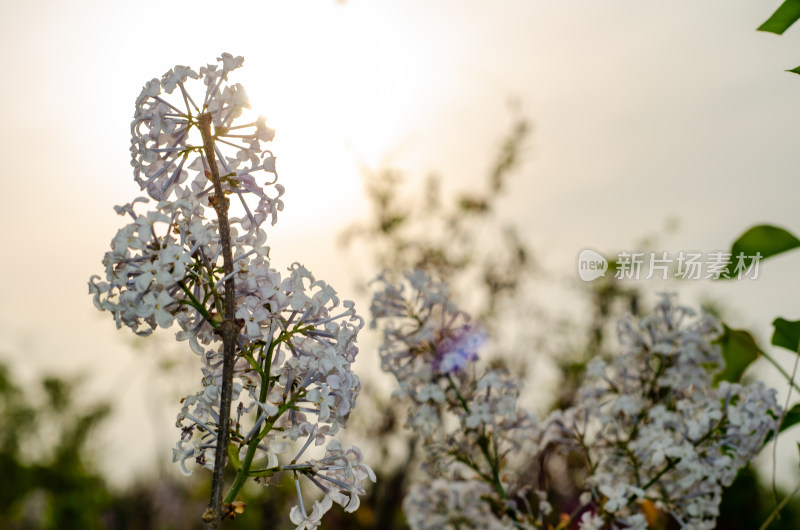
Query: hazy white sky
[[642, 111]]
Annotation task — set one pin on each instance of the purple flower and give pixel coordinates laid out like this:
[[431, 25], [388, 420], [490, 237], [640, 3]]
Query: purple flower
[[460, 348]]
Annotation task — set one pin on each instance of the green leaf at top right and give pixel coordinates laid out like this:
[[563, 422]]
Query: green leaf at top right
[[786, 334], [758, 243], [786, 15]]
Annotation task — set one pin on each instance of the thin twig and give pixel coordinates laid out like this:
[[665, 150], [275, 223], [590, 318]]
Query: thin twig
[[228, 330], [780, 507], [780, 423], [783, 372]]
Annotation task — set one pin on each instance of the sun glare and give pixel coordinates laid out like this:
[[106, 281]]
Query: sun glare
[[340, 93]]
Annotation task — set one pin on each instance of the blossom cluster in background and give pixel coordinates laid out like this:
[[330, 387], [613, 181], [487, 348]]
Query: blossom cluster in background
[[651, 425], [471, 425]]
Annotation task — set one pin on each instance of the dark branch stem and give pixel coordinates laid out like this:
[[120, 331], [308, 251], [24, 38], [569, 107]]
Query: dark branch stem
[[228, 330]]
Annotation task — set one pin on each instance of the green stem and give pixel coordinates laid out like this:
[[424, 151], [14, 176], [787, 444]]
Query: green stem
[[463, 401], [783, 372], [244, 472], [783, 417], [265, 382], [780, 507], [255, 365], [265, 473], [484, 444], [195, 303]]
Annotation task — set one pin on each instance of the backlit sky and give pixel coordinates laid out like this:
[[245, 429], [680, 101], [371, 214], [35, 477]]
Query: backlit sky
[[642, 112]]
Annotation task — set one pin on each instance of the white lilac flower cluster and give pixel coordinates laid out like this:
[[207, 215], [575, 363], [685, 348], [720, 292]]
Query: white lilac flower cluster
[[177, 243], [654, 429], [470, 425], [651, 425], [293, 384]]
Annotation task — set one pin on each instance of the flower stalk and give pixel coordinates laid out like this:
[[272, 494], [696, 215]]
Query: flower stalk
[[228, 330]]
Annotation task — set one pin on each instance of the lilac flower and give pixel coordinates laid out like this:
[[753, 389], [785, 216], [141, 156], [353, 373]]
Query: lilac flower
[[682, 438], [428, 346], [293, 384], [311, 520], [651, 424], [456, 351]]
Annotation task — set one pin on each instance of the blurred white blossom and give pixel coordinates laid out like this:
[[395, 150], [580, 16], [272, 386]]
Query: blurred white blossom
[[653, 425]]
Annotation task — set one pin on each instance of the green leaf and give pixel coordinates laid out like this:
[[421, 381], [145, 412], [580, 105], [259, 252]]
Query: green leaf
[[786, 15], [763, 241], [794, 70], [790, 419], [233, 456], [739, 350], [786, 334]]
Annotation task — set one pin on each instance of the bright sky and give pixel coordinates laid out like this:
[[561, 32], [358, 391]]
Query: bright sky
[[642, 112]]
